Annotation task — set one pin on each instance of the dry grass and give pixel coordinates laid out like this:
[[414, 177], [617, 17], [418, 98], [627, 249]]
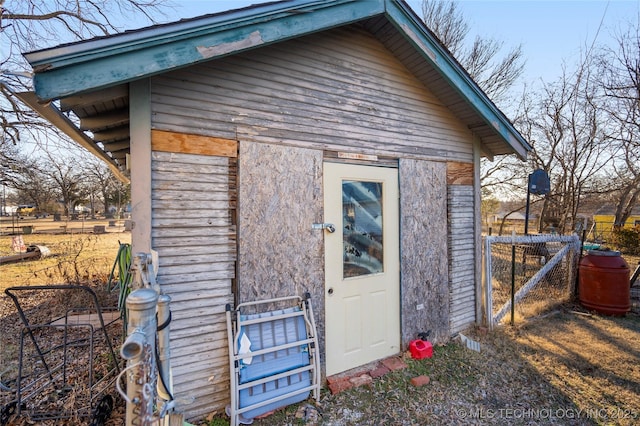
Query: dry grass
[[592, 359], [567, 368], [75, 257]]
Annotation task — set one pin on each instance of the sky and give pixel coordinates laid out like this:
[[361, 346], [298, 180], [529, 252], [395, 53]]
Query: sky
[[551, 32]]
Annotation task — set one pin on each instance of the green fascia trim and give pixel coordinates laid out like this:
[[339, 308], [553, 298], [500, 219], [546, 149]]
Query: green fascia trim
[[96, 64], [404, 20], [80, 70], [92, 49]]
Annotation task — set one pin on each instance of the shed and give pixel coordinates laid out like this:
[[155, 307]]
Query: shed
[[247, 134]]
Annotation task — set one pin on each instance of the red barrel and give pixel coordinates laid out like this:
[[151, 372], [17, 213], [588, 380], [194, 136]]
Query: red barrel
[[604, 283]]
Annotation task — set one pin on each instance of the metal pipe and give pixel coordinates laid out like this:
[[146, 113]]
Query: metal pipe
[[138, 349], [134, 345], [165, 384], [576, 286], [526, 214]]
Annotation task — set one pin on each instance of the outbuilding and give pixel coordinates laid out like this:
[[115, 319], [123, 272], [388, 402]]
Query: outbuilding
[[321, 146]]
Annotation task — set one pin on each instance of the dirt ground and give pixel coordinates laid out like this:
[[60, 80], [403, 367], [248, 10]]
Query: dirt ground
[[570, 367], [566, 367], [77, 255]]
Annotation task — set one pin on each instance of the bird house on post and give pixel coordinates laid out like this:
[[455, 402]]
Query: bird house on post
[[538, 184]]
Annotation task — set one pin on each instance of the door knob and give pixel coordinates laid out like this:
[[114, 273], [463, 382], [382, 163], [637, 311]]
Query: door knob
[[328, 226]]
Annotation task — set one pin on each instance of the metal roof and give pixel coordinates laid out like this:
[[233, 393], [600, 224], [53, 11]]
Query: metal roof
[[90, 77]]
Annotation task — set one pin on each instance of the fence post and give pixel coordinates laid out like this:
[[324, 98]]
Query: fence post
[[575, 265], [139, 350], [488, 282], [513, 273]]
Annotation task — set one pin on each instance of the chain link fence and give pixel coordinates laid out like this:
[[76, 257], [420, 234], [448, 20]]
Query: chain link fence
[[635, 287], [602, 231], [531, 273]]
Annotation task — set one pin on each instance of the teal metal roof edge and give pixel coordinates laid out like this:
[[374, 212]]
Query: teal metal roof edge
[[100, 63], [137, 39], [401, 15]]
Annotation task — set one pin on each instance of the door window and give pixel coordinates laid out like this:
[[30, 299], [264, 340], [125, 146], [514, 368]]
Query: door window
[[362, 228]]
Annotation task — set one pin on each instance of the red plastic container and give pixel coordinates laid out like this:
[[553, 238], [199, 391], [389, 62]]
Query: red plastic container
[[604, 283], [420, 349]]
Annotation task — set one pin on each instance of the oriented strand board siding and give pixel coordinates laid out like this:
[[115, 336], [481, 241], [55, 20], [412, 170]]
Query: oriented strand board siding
[[336, 90], [423, 233], [461, 256], [194, 235], [280, 197]]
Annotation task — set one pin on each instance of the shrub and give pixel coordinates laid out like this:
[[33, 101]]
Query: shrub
[[627, 240]]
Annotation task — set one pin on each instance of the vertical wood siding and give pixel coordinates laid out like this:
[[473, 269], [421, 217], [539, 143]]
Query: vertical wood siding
[[337, 90], [194, 235], [460, 201], [423, 231]]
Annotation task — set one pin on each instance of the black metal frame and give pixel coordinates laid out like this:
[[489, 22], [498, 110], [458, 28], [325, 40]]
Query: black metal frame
[[53, 373]]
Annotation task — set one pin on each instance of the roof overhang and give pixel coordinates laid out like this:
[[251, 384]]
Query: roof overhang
[[76, 72], [107, 61], [52, 114]]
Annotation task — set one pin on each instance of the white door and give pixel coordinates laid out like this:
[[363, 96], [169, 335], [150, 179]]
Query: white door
[[362, 274]]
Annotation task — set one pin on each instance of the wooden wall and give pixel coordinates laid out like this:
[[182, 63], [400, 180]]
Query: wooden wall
[[462, 245], [193, 232], [287, 104], [423, 249], [339, 90]]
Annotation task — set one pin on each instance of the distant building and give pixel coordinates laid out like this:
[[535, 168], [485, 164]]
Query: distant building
[[604, 221]]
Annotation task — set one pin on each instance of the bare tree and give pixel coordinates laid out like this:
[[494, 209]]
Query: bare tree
[[494, 72], [570, 141], [10, 162], [110, 190], [481, 58], [504, 177], [619, 75], [28, 25], [584, 128], [32, 186], [66, 177]]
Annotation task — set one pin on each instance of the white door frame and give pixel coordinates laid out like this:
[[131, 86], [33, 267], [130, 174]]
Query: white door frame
[[362, 312]]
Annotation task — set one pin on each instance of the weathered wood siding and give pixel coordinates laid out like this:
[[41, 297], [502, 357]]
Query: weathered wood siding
[[280, 197], [193, 232], [423, 232], [339, 90], [336, 90], [462, 252]]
